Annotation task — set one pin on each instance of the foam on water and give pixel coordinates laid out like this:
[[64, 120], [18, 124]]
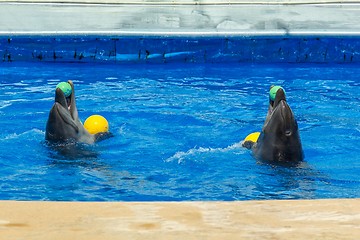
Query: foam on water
[[180, 157]]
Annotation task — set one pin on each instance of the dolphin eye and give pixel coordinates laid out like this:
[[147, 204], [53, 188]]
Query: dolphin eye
[[288, 133]]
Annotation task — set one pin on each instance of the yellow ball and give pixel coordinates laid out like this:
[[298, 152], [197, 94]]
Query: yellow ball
[[96, 124], [253, 137]]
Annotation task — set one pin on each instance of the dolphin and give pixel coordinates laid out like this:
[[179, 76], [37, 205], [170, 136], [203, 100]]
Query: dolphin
[[279, 140], [64, 125]]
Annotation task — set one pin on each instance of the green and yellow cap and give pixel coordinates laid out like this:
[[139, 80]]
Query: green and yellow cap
[[65, 87], [273, 91]]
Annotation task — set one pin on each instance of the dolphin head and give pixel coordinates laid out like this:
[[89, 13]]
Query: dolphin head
[[63, 122], [279, 139]]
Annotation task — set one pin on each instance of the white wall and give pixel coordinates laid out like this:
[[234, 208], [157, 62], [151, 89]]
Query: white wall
[[176, 2]]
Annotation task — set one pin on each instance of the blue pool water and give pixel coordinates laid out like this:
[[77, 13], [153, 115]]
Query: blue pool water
[[177, 132]]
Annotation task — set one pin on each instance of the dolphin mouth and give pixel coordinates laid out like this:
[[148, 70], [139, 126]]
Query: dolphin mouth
[[61, 111], [67, 105], [65, 102], [68, 101]]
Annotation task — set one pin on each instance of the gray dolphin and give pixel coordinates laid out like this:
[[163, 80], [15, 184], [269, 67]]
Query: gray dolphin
[[64, 124], [279, 139]]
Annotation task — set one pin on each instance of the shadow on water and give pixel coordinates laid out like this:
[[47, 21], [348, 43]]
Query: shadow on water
[[283, 164], [71, 151], [288, 180]]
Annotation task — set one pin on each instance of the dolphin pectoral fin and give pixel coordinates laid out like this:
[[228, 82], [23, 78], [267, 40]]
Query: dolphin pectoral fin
[[102, 136]]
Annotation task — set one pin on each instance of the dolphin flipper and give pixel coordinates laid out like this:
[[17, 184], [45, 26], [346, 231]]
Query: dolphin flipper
[[102, 136]]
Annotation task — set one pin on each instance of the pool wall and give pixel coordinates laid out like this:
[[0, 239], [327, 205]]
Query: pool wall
[[180, 49], [181, 31]]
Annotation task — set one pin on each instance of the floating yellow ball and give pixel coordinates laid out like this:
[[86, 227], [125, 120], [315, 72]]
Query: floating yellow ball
[[96, 124], [252, 137]]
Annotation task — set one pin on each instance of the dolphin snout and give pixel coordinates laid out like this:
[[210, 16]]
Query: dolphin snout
[[284, 109], [287, 118]]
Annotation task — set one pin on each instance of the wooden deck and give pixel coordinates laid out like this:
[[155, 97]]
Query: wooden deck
[[294, 219]]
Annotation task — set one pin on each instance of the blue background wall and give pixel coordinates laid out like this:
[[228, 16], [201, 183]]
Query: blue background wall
[[181, 49]]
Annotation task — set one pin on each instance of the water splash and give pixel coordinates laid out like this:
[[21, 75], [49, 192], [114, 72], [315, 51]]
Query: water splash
[[26, 135], [181, 156], [4, 104]]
